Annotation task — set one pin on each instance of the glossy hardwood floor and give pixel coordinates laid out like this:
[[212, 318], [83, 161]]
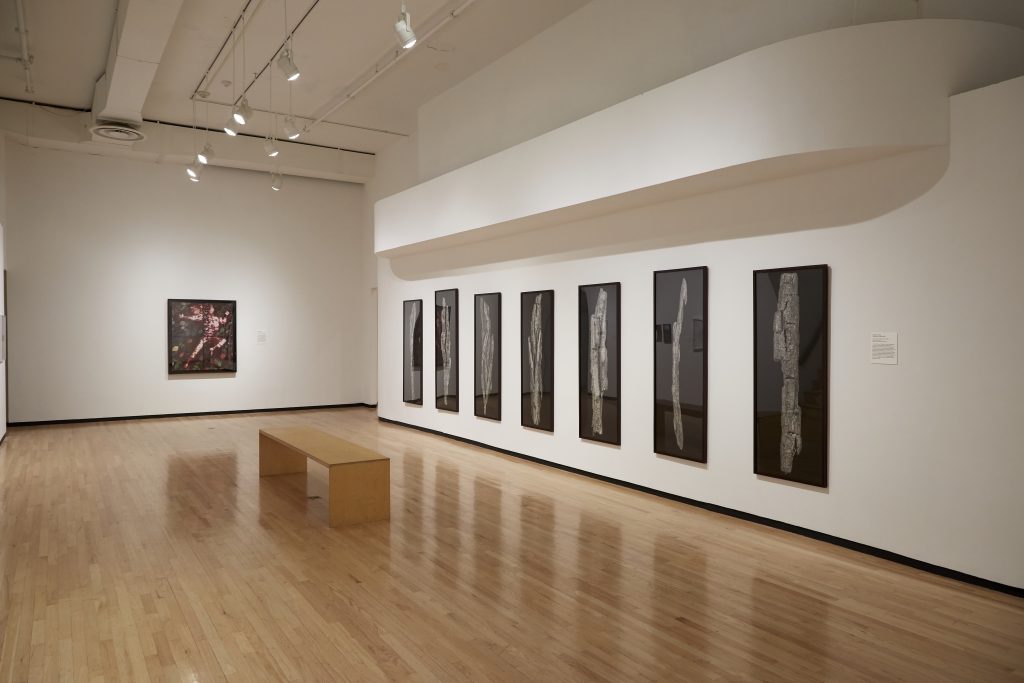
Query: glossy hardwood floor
[[151, 550]]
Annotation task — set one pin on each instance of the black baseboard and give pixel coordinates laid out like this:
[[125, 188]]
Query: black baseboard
[[738, 514], [332, 406]]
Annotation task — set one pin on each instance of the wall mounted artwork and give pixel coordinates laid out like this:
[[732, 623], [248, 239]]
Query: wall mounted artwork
[[412, 351], [680, 363], [537, 344], [487, 356], [446, 349], [600, 373], [201, 336], [791, 374]]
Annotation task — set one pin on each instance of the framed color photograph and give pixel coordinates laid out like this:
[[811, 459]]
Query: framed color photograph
[[412, 351], [681, 363], [791, 374], [201, 336], [446, 350], [537, 345], [600, 371], [487, 356]]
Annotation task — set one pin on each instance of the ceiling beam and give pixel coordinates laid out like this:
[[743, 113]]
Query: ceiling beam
[[142, 30]]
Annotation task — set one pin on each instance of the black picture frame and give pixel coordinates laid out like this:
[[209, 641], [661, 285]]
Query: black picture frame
[[537, 378], [799, 452], [606, 426], [412, 351], [680, 384], [487, 356], [197, 332], [446, 350]]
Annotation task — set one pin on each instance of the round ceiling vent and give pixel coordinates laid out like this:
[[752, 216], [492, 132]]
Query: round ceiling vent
[[117, 133]]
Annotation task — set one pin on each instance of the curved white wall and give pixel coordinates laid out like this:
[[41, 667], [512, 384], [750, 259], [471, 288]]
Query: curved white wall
[[924, 456], [872, 87]]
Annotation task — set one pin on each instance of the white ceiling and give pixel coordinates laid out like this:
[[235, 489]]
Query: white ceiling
[[339, 42]]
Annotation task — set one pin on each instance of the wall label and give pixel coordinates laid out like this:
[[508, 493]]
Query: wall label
[[261, 337], [884, 348]]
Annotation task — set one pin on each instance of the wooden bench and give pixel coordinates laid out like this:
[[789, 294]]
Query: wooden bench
[[360, 480]]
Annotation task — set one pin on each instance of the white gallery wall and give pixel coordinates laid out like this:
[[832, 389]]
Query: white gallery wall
[[924, 456], [98, 244], [3, 222], [924, 460]]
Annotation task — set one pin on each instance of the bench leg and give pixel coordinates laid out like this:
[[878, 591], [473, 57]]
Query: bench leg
[[278, 459], [360, 492]]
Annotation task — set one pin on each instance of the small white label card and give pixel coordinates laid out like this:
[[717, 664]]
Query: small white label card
[[261, 337], [884, 348]]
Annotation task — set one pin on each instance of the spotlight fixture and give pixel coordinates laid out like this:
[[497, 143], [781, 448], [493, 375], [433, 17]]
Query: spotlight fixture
[[242, 112], [276, 181], [194, 171], [403, 27], [270, 148], [287, 65], [231, 128], [207, 154], [291, 131]]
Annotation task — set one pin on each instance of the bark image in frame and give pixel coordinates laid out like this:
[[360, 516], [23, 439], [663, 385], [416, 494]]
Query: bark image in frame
[[791, 349], [680, 363], [537, 344], [600, 371], [446, 350], [201, 336], [412, 351], [487, 356]]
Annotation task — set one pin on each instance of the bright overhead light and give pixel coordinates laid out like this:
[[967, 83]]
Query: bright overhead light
[[207, 154], [242, 112], [194, 171], [276, 181], [270, 148], [231, 128], [287, 65], [291, 131], [403, 27]]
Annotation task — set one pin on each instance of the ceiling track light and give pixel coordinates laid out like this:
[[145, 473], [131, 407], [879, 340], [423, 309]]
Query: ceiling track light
[[291, 131], [286, 64], [207, 154], [194, 171], [242, 112], [403, 28], [270, 148], [276, 181], [231, 128]]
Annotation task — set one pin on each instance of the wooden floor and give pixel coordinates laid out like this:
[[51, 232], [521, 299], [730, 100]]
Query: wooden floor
[[151, 550]]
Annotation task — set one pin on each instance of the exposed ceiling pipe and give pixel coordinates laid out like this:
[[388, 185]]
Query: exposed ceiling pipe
[[26, 58], [379, 71]]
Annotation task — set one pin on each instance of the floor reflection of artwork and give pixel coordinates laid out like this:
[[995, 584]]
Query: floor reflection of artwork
[[680, 363], [791, 374], [537, 341], [412, 351], [487, 357], [201, 336], [600, 379], [446, 349]]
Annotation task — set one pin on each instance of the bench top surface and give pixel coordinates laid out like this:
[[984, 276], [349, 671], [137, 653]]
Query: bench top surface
[[325, 448]]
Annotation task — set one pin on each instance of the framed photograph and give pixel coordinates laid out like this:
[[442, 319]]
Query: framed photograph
[[600, 371], [446, 350], [412, 351], [537, 345], [3, 338], [201, 336], [680, 363], [791, 348], [487, 356]]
